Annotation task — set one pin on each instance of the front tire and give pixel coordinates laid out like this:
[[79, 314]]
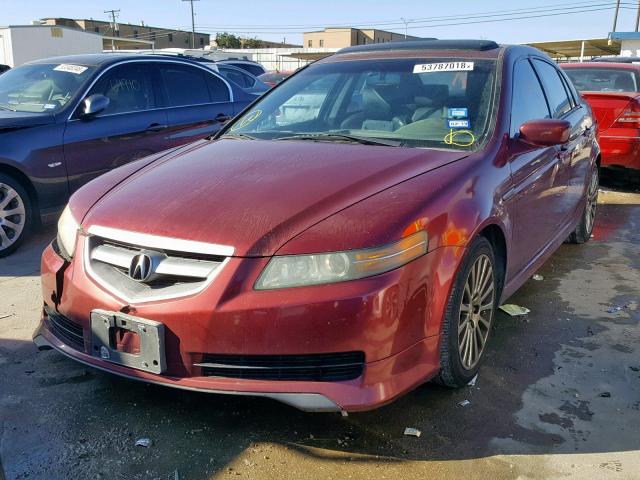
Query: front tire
[[15, 214], [469, 316], [584, 229]]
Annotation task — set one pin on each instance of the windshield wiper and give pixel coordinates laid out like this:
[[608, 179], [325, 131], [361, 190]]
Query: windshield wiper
[[238, 136], [342, 136]]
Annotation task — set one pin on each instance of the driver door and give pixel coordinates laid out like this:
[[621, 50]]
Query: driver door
[[538, 195], [131, 127]]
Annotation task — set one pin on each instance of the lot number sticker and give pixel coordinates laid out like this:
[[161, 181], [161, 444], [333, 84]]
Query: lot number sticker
[[64, 67], [458, 124], [443, 67]]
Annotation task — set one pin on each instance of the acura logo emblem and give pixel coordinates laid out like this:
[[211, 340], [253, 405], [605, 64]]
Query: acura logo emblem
[[140, 268]]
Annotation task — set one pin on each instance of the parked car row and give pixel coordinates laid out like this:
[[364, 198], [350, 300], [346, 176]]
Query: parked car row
[[347, 237], [67, 120], [613, 91]]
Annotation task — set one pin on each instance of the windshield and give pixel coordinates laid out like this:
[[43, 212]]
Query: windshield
[[41, 88], [603, 79], [433, 103]]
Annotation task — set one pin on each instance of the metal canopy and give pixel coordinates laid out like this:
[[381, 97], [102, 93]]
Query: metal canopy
[[593, 47]]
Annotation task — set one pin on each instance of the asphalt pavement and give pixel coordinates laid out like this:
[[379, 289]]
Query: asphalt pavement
[[557, 397]]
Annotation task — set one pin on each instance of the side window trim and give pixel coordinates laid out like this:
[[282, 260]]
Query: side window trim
[[74, 110], [571, 91], [512, 128], [546, 96], [145, 65]]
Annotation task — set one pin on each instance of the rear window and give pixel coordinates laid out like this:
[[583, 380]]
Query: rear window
[[603, 79]]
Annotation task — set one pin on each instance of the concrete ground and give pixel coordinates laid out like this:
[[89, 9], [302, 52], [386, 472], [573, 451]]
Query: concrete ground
[[557, 397]]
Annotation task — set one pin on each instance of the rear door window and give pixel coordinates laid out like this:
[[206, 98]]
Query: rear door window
[[252, 69], [218, 90], [184, 85], [128, 87], [528, 101], [239, 77], [557, 95]]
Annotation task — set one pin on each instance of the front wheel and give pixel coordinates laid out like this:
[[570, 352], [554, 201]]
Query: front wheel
[[469, 316], [584, 229], [15, 214]]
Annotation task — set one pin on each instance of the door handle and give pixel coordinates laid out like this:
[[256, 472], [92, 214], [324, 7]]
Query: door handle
[[222, 118], [156, 127]]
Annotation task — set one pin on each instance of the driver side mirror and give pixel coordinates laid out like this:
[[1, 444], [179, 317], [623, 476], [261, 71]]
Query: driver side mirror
[[545, 132], [94, 104]]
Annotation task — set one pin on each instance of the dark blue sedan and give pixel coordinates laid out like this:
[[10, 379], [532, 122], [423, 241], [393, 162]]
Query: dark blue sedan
[[66, 120]]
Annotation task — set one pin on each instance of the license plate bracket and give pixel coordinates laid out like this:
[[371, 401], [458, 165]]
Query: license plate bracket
[[151, 356]]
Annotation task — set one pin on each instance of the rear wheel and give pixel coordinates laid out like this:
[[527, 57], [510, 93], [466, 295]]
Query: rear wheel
[[15, 214], [469, 316], [584, 229]]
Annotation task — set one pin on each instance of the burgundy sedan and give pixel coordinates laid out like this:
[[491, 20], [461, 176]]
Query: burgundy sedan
[[613, 91], [344, 240]]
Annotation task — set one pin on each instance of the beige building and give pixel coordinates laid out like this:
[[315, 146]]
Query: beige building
[[348, 37], [160, 37]]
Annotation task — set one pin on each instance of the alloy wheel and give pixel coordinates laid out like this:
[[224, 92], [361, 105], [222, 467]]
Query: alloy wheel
[[592, 202], [476, 312], [12, 216]]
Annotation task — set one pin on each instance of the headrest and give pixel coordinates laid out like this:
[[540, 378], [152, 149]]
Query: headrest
[[433, 95]]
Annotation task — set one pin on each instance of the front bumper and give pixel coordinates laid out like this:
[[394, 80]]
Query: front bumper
[[394, 318]]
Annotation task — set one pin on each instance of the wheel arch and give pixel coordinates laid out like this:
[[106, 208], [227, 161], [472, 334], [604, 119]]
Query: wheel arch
[[26, 183], [497, 238]]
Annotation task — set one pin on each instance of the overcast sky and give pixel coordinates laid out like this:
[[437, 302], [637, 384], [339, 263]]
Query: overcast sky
[[276, 19]]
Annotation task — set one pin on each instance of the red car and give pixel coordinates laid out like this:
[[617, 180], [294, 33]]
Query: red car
[[273, 78], [340, 253], [613, 91]]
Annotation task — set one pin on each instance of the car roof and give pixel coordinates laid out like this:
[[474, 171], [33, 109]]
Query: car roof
[[102, 59], [602, 65], [424, 44], [430, 47]]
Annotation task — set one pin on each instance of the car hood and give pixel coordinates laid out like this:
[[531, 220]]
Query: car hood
[[16, 120], [255, 195]]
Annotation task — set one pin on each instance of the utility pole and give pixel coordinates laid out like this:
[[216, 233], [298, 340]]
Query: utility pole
[[615, 17], [193, 24], [638, 16], [114, 26], [406, 26]]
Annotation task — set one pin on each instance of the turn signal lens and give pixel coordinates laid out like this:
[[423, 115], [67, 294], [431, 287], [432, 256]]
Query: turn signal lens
[[303, 270]]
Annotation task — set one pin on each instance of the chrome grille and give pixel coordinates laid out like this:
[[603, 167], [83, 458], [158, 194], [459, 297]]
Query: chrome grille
[[175, 273]]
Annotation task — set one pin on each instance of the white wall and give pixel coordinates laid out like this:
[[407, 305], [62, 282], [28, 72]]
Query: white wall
[[278, 58], [26, 43], [630, 48]]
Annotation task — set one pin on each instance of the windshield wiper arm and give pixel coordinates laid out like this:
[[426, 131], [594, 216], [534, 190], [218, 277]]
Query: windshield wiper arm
[[238, 136], [342, 136]]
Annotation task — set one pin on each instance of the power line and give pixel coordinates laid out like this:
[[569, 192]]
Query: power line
[[544, 8], [431, 24]]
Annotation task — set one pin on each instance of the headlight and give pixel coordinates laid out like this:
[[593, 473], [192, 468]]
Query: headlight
[[67, 232], [301, 270]]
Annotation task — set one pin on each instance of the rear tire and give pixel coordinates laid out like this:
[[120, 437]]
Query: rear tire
[[16, 214], [584, 229], [469, 315]]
